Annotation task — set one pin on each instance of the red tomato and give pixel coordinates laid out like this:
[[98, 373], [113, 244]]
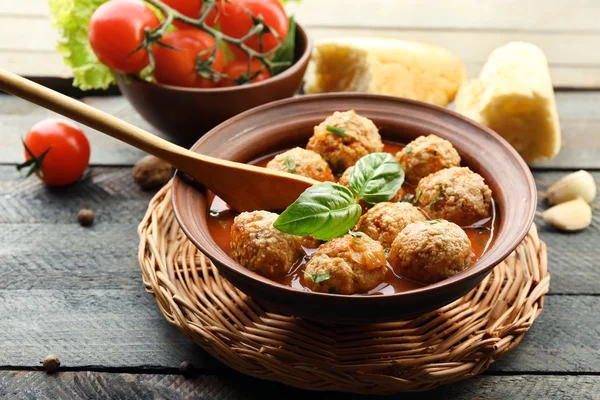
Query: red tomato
[[235, 22], [68, 151], [178, 67], [237, 68], [192, 9], [117, 29]]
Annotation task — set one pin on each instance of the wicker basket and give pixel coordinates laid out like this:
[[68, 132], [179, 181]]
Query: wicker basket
[[452, 343]]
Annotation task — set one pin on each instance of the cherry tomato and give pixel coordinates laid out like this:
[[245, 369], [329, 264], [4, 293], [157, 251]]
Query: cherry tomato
[[192, 9], [178, 67], [235, 22], [57, 150], [117, 29], [237, 68]]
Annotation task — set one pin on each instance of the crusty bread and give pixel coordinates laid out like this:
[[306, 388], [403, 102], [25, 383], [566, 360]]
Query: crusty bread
[[391, 67], [513, 96]]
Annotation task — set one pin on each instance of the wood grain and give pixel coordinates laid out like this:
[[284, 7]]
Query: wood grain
[[94, 385], [579, 113], [470, 28]]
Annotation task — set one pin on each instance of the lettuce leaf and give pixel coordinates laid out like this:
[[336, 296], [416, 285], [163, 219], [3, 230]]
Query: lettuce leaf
[[71, 19]]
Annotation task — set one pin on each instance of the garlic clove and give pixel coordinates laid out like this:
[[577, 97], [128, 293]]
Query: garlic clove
[[569, 187], [573, 215]]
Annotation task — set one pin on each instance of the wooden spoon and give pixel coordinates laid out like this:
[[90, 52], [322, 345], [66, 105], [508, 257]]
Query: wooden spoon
[[244, 187]]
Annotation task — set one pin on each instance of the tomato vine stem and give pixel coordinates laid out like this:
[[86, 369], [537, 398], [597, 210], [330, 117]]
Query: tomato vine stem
[[203, 66]]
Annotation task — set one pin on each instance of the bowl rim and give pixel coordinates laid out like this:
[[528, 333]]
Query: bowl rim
[[473, 272], [302, 60]]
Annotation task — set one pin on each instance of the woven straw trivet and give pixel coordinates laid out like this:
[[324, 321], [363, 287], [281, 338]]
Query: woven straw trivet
[[452, 343]]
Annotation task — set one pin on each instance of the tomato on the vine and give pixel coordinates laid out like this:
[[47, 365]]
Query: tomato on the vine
[[239, 68], [57, 151], [192, 9], [178, 67], [117, 29], [235, 22]]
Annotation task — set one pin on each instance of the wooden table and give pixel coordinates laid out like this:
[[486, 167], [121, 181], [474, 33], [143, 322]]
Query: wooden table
[[77, 292]]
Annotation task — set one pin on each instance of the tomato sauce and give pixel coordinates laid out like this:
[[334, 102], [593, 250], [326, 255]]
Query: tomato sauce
[[481, 235]]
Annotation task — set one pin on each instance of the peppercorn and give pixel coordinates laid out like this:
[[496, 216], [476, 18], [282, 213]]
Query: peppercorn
[[187, 369], [85, 217], [51, 363]]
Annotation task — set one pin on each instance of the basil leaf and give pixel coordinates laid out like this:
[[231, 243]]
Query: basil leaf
[[376, 177], [286, 50], [324, 211]]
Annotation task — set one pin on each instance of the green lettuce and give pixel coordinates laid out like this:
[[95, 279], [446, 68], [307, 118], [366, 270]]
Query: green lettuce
[[71, 18]]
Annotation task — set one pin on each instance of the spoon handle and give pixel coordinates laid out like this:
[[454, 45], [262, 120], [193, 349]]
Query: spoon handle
[[177, 156]]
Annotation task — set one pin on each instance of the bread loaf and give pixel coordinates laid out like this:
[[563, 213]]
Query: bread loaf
[[391, 67], [513, 96]]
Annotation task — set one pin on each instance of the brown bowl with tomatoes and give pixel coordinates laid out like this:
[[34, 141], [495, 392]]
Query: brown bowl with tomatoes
[[193, 64]]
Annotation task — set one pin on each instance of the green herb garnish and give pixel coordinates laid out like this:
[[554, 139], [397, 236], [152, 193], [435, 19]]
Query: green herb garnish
[[376, 177], [386, 252], [328, 210], [418, 196], [408, 149], [290, 164], [346, 118], [334, 129], [355, 234], [433, 221], [409, 198], [441, 197], [318, 278]]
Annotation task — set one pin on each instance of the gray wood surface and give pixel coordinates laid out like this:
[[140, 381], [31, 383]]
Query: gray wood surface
[[97, 385], [77, 292], [579, 116]]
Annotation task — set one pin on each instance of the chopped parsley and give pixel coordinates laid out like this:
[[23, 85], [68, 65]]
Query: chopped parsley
[[408, 149], [433, 221], [338, 131], [355, 234], [290, 164], [407, 199], [318, 278], [320, 168], [346, 118], [417, 197], [441, 197], [214, 213], [386, 252]]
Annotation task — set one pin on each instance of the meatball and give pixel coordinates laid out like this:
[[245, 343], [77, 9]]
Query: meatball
[[351, 264], [344, 138], [344, 181], [385, 221], [302, 162], [456, 194], [426, 155], [261, 248], [430, 251]]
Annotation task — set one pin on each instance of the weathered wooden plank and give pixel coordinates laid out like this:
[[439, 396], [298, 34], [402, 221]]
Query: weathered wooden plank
[[579, 113], [579, 15], [34, 217], [91, 328], [28, 47], [88, 385], [124, 328]]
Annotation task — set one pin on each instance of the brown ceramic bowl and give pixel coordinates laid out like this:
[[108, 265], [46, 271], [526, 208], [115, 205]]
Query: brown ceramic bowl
[[185, 114], [288, 123]]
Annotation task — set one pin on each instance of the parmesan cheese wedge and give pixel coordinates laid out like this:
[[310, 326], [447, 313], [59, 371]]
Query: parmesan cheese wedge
[[513, 96], [413, 70]]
